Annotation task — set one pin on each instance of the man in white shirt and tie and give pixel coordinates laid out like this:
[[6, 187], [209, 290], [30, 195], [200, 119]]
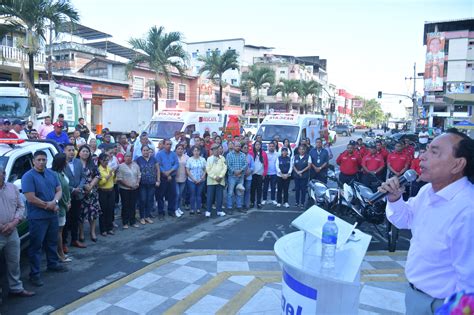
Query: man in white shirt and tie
[[440, 260]]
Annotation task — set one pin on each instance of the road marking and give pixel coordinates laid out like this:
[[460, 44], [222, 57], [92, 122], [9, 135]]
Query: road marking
[[268, 234], [226, 222], [45, 309], [102, 282], [196, 236]]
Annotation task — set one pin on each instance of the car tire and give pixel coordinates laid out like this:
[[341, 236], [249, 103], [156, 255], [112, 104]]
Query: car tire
[[344, 134]]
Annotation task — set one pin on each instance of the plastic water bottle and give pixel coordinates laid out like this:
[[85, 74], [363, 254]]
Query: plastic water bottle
[[329, 240]]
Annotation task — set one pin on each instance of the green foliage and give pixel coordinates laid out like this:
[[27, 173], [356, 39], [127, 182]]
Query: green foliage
[[286, 88], [308, 88], [371, 112], [163, 53], [257, 77]]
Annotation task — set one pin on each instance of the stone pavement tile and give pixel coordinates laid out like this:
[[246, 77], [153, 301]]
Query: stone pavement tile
[[226, 290], [115, 310], [204, 279], [166, 287], [242, 280], [265, 266], [187, 274], [90, 308], [117, 294], [276, 286], [231, 258], [203, 258], [377, 258], [402, 263], [364, 312], [207, 305], [261, 258], [143, 280], [185, 292], [370, 310], [265, 300], [160, 309], [182, 261], [232, 266], [394, 286], [141, 302], [386, 299], [385, 265], [209, 266], [367, 266], [165, 269]]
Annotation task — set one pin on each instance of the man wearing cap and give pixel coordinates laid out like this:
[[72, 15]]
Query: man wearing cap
[[58, 134], [46, 128], [18, 129], [63, 122], [5, 133], [372, 166], [349, 162]]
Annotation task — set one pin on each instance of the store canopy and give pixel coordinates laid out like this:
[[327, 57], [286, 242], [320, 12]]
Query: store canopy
[[85, 32], [115, 49], [459, 99], [465, 124]]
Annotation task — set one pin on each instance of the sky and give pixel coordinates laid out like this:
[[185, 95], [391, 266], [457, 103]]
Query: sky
[[370, 45]]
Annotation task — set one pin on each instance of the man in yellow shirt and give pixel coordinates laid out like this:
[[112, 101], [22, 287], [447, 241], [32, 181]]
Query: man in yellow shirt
[[216, 169]]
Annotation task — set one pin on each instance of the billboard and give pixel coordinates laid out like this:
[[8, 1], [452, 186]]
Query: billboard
[[357, 103], [434, 66], [454, 87]]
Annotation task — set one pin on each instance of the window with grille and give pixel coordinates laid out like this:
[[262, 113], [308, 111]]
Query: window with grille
[[182, 92], [151, 89], [138, 87], [170, 91]]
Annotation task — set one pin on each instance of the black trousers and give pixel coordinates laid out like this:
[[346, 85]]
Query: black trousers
[[256, 189], [129, 200], [72, 221], [107, 204], [346, 179], [282, 192]]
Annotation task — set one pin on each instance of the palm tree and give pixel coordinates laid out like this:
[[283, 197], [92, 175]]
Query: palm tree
[[286, 88], [256, 78], [308, 88], [216, 64], [33, 18], [163, 54]]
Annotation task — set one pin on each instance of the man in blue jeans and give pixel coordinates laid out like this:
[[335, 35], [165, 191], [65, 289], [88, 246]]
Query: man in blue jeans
[[42, 190], [168, 161], [236, 167], [271, 178]]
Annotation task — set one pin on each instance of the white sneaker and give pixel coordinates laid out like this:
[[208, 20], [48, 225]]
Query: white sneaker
[[180, 211], [177, 214], [286, 205], [274, 202], [278, 205], [264, 202], [221, 213], [207, 214]]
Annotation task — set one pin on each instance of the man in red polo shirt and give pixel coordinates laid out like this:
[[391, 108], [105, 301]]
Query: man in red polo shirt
[[381, 150], [361, 148], [373, 165], [409, 150], [397, 161], [5, 132], [349, 163]]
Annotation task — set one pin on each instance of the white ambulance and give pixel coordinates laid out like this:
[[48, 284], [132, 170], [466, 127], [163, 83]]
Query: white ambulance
[[293, 127], [165, 123]]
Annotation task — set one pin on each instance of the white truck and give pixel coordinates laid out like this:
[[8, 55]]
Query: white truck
[[123, 116], [55, 99]]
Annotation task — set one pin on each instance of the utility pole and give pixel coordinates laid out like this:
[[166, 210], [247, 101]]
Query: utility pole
[[415, 107]]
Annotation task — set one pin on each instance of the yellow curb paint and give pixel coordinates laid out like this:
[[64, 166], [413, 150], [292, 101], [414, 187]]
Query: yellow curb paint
[[385, 253], [383, 279], [382, 271], [96, 294]]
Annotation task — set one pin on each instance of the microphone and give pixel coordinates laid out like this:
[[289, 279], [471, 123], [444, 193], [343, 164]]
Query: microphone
[[408, 177]]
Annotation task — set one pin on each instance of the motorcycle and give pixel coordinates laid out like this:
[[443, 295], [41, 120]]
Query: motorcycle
[[352, 201]]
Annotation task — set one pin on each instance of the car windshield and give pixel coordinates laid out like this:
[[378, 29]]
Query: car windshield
[[268, 132], [14, 107], [3, 162], [163, 129]]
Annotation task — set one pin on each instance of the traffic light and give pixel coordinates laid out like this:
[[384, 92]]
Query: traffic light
[[333, 107], [379, 94]]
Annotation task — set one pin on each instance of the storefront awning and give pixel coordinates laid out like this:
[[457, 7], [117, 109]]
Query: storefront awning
[[459, 99], [85, 32]]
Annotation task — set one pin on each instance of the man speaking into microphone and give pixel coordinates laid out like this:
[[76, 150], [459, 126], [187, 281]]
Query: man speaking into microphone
[[441, 218]]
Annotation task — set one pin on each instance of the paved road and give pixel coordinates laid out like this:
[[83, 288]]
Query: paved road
[[114, 257]]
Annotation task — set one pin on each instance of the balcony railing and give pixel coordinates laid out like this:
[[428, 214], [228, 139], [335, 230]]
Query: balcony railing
[[16, 55]]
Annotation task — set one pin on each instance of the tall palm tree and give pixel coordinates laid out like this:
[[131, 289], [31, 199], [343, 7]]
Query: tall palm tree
[[257, 77], [164, 53], [33, 18], [286, 88], [216, 64], [308, 88]]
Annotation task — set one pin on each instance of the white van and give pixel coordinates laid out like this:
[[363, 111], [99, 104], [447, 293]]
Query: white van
[[165, 123], [293, 127]]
